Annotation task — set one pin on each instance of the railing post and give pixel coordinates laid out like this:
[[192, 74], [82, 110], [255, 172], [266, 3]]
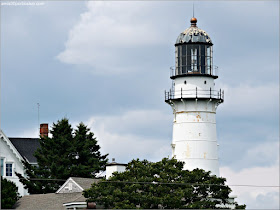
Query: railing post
[[165, 94], [210, 92], [181, 93], [168, 95], [196, 92], [220, 93], [223, 96]]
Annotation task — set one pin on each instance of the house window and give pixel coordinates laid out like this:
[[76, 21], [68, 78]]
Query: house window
[[2, 166], [9, 169]]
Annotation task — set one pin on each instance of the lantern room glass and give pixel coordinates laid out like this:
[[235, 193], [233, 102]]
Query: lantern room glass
[[193, 59]]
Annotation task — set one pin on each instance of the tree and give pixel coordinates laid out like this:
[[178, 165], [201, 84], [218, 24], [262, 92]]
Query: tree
[[9, 194], [61, 156], [163, 184]]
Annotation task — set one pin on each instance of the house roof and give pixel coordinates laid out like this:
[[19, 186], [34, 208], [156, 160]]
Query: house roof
[[26, 147], [116, 164], [48, 201], [56, 200], [81, 183], [85, 183]]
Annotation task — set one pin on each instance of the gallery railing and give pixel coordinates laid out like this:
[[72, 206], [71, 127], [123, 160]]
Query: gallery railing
[[195, 93], [194, 70]]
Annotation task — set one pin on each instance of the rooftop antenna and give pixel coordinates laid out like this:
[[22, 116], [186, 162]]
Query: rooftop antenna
[[38, 105], [193, 9]]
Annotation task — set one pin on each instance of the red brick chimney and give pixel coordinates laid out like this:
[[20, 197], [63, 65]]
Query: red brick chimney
[[44, 129]]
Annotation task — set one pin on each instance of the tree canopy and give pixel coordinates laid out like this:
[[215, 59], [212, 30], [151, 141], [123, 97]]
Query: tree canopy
[[163, 184], [9, 193], [67, 153]]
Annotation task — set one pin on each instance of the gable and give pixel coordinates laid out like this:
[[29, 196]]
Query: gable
[[70, 186], [85, 183], [12, 148], [77, 184]]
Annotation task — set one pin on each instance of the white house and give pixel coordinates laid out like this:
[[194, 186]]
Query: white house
[[12, 152]]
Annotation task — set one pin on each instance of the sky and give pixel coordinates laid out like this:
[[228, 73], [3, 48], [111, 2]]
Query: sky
[[106, 63]]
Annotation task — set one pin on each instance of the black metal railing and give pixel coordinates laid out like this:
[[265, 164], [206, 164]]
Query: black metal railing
[[193, 70], [195, 93]]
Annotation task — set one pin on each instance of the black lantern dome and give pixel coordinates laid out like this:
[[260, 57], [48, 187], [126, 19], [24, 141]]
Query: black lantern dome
[[194, 53], [193, 34]]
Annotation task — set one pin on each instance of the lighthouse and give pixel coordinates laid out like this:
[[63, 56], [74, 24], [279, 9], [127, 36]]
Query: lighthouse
[[194, 101]]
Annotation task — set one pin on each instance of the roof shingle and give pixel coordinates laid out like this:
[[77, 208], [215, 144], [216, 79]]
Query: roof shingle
[[26, 147], [85, 183], [48, 201]]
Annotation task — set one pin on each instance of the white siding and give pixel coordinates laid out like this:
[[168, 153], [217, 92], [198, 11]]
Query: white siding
[[9, 157]]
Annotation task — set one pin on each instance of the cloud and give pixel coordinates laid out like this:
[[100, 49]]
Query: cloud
[[131, 135], [257, 163], [107, 34], [140, 122], [254, 197], [250, 153], [30, 133], [264, 154], [250, 100], [248, 124]]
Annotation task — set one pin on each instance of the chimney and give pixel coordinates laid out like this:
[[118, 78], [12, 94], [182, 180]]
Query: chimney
[[44, 129]]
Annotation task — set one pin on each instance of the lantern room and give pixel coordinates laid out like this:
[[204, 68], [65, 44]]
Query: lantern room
[[193, 53]]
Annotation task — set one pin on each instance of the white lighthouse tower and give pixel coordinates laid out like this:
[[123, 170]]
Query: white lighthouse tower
[[194, 101]]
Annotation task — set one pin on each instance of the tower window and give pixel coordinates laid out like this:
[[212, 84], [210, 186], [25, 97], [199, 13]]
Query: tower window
[[185, 82], [194, 59], [205, 82]]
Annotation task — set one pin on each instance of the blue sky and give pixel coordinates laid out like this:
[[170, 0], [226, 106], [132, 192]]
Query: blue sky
[[107, 64]]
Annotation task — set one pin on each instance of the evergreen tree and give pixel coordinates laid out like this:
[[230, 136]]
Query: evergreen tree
[[9, 194], [163, 184], [63, 155], [87, 158]]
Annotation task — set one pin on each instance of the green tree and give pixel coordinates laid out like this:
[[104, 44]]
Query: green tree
[[9, 194], [67, 153], [163, 184]]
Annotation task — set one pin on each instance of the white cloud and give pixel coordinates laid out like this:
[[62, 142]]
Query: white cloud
[[31, 133], [131, 144], [135, 121], [105, 32], [249, 100], [255, 197]]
